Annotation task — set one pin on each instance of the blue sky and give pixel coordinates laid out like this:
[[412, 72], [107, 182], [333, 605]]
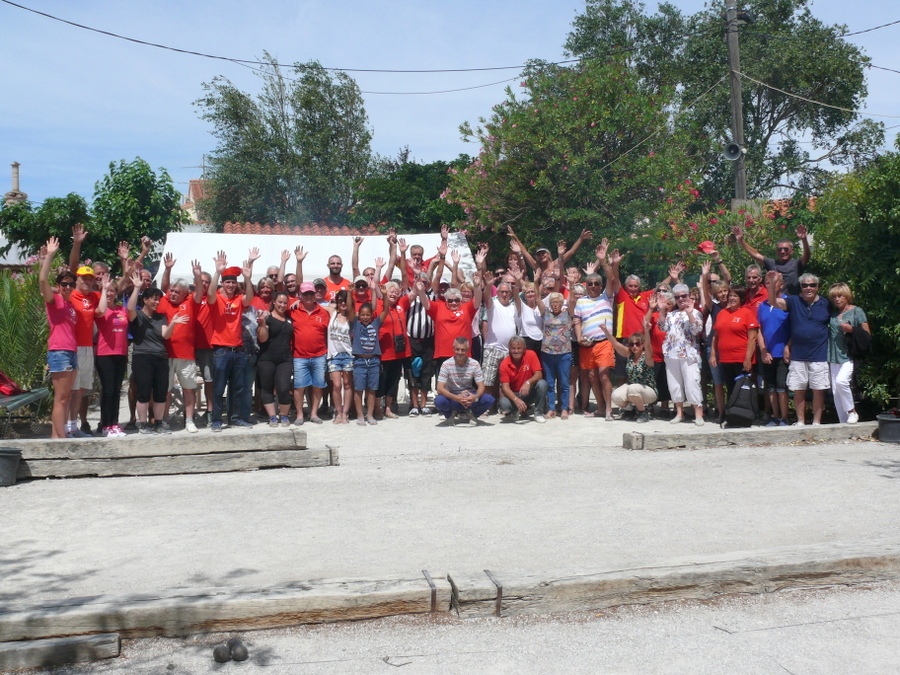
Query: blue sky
[[73, 101]]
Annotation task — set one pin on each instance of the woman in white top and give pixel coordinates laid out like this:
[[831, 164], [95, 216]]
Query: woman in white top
[[530, 318], [340, 357]]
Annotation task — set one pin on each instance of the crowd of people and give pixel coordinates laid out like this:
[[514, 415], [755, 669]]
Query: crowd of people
[[531, 338]]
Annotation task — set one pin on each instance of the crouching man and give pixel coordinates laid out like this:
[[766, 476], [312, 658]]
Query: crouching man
[[460, 387], [522, 382]]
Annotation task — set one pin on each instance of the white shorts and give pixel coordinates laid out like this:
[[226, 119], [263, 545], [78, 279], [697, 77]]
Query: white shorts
[[808, 375], [85, 377], [185, 370]]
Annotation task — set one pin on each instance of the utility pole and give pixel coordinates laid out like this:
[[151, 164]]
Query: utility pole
[[737, 116]]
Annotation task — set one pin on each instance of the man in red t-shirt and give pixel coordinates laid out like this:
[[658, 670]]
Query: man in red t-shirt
[[334, 282], [452, 319], [229, 357], [180, 308], [84, 300], [522, 382], [310, 322]]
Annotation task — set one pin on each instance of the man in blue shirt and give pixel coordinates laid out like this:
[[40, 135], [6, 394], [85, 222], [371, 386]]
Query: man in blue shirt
[[808, 350]]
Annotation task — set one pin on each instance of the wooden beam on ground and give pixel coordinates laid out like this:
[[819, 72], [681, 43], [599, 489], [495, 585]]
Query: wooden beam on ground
[[58, 651], [164, 465], [218, 609], [140, 445], [716, 437]]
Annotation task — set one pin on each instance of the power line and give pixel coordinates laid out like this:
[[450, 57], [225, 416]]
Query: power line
[[864, 113]]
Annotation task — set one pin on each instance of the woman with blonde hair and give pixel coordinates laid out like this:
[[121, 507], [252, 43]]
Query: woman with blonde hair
[[846, 318]]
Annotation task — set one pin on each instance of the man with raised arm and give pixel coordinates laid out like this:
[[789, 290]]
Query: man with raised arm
[[784, 261], [229, 357]]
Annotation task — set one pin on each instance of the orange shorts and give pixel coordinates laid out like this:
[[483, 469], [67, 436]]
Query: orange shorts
[[598, 355]]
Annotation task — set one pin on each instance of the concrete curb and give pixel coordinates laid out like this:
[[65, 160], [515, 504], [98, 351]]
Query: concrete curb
[[716, 437], [58, 651], [486, 593]]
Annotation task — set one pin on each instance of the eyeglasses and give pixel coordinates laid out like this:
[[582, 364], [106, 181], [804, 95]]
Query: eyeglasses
[[449, 300], [635, 344], [680, 297], [273, 276], [67, 284], [809, 285], [784, 248], [593, 283]]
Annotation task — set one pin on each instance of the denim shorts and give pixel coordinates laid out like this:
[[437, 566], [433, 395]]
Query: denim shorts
[[309, 372], [62, 361], [340, 362], [366, 372]]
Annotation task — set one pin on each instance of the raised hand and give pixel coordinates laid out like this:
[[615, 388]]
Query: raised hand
[[737, 232], [285, 256], [676, 270], [615, 257], [220, 261], [392, 236], [300, 254], [442, 249], [591, 267], [515, 246], [357, 241], [52, 246], [146, 243], [480, 256], [445, 232], [404, 247], [379, 265], [561, 247], [586, 234], [136, 280], [79, 234], [247, 268], [801, 231], [454, 256], [771, 277], [254, 256], [601, 249], [196, 268], [123, 250], [169, 261]]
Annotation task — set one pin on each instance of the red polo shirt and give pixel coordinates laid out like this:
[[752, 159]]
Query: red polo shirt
[[630, 312], [225, 315], [310, 331], [516, 374]]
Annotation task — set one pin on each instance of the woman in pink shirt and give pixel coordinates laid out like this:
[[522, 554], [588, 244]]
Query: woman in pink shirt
[[111, 356], [62, 350]]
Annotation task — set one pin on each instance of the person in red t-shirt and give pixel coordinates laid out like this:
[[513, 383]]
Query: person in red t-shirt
[[734, 337], [452, 318], [395, 348], [85, 300], [229, 357], [522, 382], [334, 282], [178, 301], [310, 321]]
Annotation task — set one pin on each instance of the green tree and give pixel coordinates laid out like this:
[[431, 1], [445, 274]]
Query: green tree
[[787, 139], [30, 226], [23, 328], [130, 202], [409, 196], [293, 153], [581, 147], [858, 242]]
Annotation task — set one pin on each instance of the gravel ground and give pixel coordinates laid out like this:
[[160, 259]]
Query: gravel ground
[[838, 630]]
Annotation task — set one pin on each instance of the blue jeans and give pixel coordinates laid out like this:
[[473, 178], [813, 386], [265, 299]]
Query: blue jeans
[[243, 407], [557, 367], [447, 406], [537, 397], [230, 371]]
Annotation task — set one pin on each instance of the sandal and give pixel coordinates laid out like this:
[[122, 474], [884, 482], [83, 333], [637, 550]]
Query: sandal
[[372, 421], [588, 414], [361, 423], [390, 414]]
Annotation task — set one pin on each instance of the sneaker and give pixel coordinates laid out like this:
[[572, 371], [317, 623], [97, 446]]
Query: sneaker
[[131, 426], [676, 420], [109, 432], [273, 421], [799, 423], [470, 418], [852, 418], [241, 424], [699, 421], [144, 428], [413, 412], [216, 425], [77, 433], [447, 421], [86, 428], [628, 415], [299, 422], [425, 411], [116, 431], [784, 423], [162, 427], [189, 426], [285, 421], [642, 417], [512, 416], [540, 419], [774, 422]]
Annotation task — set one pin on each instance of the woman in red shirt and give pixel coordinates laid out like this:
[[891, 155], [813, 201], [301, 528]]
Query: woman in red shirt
[[734, 337]]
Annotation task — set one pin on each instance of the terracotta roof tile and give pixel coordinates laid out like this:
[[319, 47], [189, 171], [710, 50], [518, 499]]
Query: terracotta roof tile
[[309, 230]]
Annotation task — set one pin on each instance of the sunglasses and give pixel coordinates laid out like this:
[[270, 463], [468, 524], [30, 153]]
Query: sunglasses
[[680, 297], [67, 284], [635, 344], [593, 283], [273, 276], [784, 248], [362, 286], [453, 300], [809, 285]]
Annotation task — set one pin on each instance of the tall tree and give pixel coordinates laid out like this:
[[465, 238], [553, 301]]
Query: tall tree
[[293, 153], [130, 202], [788, 140], [581, 147], [409, 196]]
